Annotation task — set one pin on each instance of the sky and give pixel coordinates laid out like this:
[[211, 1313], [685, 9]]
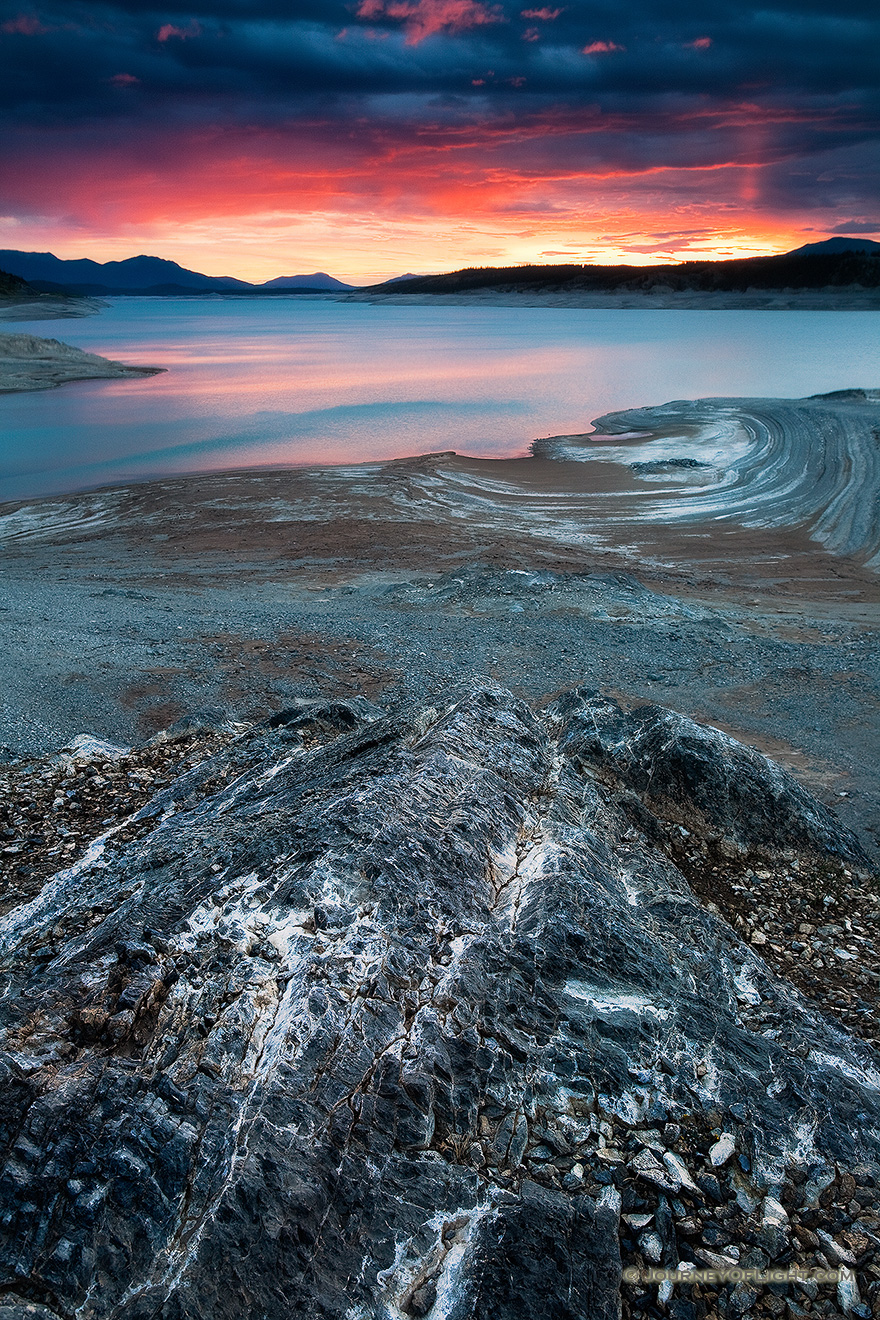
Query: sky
[[371, 138]]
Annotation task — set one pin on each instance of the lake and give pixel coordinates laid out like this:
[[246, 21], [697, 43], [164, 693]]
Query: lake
[[312, 380]]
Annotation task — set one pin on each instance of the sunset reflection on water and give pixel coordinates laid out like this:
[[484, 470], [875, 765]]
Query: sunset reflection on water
[[305, 381]]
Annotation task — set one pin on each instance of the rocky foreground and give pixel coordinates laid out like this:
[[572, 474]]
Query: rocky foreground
[[368, 1015]]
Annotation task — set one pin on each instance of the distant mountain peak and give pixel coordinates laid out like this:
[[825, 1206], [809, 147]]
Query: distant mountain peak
[[320, 280], [833, 247], [395, 279]]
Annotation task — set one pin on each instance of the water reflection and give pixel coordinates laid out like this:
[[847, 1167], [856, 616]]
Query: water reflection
[[318, 381]]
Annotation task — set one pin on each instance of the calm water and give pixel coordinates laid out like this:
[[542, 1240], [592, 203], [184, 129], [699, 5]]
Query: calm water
[[305, 381]]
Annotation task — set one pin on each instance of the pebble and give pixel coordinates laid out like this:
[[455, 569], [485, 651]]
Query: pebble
[[651, 1247], [722, 1150]]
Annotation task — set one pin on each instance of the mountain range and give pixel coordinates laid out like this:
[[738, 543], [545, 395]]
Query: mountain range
[[154, 275]]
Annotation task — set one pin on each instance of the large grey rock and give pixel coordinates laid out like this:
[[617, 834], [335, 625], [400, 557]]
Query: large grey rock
[[353, 1019]]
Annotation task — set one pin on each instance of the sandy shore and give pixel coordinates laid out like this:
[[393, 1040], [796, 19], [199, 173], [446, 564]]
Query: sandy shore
[[30, 363], [801, 300]]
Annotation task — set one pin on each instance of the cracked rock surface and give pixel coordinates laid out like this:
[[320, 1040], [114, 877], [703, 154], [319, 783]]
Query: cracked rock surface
[[376, 1016]]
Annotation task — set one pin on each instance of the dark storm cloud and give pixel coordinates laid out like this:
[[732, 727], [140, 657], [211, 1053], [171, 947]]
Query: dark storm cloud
[[563, 87], [60, 60]]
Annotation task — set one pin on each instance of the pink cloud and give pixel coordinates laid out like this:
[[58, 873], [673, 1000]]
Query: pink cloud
[[124, 80], [25, 25], [423, 18], [168, 30], [601, 48], [701, 43], [531, 34], [545, 15]]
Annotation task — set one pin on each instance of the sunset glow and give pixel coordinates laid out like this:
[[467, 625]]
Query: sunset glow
[[421, 135]]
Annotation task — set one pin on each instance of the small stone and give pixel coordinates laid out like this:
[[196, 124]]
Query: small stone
[[651, 1247], [647, 1167], [773, 1239], [714, 1260], [637, 1221], [848, 1296], [677, 1168], [650, 1137], [574, 1178], [841, 1253], [722, 1150], [743, 1298]]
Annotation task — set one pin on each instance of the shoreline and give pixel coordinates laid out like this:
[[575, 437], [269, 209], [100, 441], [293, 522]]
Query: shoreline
[[28, 363], [805, 300], [61, 306], [49, 307]]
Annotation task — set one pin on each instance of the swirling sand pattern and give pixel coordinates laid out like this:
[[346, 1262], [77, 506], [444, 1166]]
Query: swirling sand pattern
[[763, 462], [649, 485]]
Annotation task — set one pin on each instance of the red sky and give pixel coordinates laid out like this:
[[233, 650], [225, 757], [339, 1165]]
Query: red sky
[[387, 136]]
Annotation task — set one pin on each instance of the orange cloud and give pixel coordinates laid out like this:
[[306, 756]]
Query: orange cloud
[[25, 25], [124, 80], [701, 43], [424, 18], [601, 48]]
